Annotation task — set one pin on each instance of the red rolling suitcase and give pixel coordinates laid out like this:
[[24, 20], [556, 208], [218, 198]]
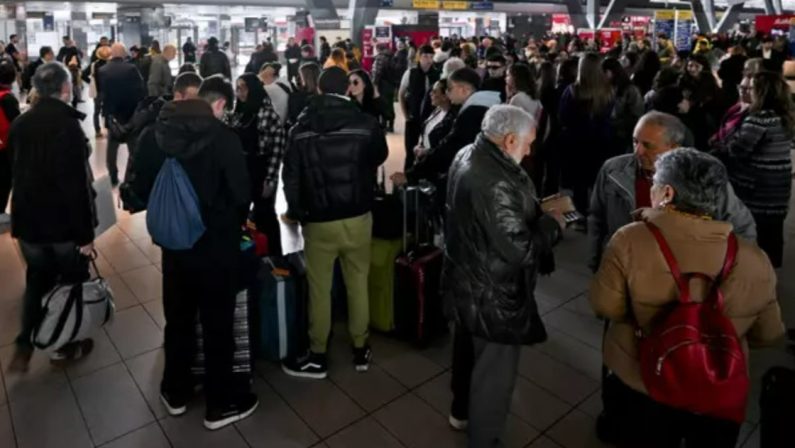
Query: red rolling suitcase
[[418, 306]]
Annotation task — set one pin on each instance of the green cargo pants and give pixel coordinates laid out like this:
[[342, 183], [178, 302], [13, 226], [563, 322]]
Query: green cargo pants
[[349, 240]]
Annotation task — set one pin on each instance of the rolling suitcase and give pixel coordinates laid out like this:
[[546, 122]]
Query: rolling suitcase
[[244, 321], [282, 310], [242, 366], [777, 406], [381, 283], [418, 306]]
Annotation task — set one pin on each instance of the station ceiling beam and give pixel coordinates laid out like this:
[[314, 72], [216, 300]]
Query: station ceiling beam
[[730, 17]]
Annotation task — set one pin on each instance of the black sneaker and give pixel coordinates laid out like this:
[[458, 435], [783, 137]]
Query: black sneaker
[[174, 406], [310, 365], [361, 358], [225, 416]]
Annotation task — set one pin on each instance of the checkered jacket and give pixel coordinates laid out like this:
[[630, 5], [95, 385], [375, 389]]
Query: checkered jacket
[[272, 140]]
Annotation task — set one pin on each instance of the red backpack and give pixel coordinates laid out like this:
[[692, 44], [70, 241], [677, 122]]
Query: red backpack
[[692, 359], [5, 125]]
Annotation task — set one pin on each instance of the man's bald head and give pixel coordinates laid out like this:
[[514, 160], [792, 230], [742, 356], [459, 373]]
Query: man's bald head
[[118, 50]]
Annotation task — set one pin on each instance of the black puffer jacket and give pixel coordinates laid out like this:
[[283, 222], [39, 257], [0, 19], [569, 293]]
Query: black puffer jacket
[[496, 236], [332, 156], [214, 62]]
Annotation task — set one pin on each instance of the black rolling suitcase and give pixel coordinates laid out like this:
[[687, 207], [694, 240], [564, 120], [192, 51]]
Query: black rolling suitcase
[[418, 306], [777, 405]]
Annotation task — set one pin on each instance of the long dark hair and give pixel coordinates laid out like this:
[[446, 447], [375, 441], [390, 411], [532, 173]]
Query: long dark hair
[[248, 110], [592, 88], [369, 91], [546, 80], [310, 73], [771, 93], [524, 79], [618, 76], [567, 72]]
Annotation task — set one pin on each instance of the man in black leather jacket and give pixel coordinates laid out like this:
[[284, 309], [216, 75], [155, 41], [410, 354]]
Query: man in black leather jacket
[[329, 177], [496, 237]]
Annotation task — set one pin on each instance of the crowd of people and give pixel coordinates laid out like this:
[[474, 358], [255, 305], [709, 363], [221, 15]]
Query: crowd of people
[[694, 143]]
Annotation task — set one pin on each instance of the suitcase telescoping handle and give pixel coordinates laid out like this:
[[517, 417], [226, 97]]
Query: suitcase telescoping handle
[[406, 190]]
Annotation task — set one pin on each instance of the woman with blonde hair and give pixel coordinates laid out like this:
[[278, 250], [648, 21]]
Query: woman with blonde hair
[[337, 59]]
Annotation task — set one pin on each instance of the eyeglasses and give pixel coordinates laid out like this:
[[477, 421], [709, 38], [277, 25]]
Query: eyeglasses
[[494, 67]]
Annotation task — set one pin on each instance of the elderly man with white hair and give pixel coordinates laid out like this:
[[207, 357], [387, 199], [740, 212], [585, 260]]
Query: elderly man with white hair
[[497, 237]]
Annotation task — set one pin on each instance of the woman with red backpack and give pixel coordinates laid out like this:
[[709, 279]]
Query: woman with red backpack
[[685, 299]]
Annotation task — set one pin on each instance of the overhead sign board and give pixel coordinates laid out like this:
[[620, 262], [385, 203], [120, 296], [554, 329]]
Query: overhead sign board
[[457, 5], [481, 6], [425, 4]]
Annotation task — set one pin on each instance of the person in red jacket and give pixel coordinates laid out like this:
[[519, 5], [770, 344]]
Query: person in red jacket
[[9, 110]]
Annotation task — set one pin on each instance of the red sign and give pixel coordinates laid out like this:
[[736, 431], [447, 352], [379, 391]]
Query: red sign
[[368, 50], [766, 24], [609, 38]]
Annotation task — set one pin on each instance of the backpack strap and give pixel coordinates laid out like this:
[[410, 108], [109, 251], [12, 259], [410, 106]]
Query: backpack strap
[[681, 282], [728, 265]]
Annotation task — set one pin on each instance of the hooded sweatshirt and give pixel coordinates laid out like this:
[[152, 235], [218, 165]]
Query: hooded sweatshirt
[[211, 155]]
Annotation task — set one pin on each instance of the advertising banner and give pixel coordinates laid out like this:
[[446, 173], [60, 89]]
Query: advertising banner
[[426, 4], [683, 36], [608, 38], [766, 24], [664, 23]]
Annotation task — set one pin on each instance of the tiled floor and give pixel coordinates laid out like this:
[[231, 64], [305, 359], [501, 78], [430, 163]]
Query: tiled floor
[[111, 398]]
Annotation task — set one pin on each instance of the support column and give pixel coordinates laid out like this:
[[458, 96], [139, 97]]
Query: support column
[[769, 9], [778, 7], [592, 13], [613, 12], [364, 13], [729, 17], [577, 14], [704, 18]]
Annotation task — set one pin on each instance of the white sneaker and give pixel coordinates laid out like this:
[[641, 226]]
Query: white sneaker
[[5, 218], [458, 425]]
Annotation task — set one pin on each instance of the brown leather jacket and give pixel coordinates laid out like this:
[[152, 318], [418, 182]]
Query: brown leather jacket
[[634, 284]]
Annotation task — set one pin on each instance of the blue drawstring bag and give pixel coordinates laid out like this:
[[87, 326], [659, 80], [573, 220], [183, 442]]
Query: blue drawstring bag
[[173, 217]]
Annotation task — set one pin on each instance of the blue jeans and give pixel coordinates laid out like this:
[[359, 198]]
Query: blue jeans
[[48, 265]]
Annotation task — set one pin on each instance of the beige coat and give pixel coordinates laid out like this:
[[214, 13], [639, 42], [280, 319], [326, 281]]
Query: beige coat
[[634, 283]]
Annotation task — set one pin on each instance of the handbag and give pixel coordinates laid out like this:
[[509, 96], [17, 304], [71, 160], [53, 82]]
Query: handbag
[[104, 205], [71, 312]]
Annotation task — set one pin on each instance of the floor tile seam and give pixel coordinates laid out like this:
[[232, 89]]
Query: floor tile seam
[[128, 270], [411, 388], [152, 316], [127, 368], [137, 387], [8, 405], [80, 409], [372, 413], [573, 336], [552, 392], [125, 434], [572, 408], [287, 403], [95, 370], [159, 422]]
